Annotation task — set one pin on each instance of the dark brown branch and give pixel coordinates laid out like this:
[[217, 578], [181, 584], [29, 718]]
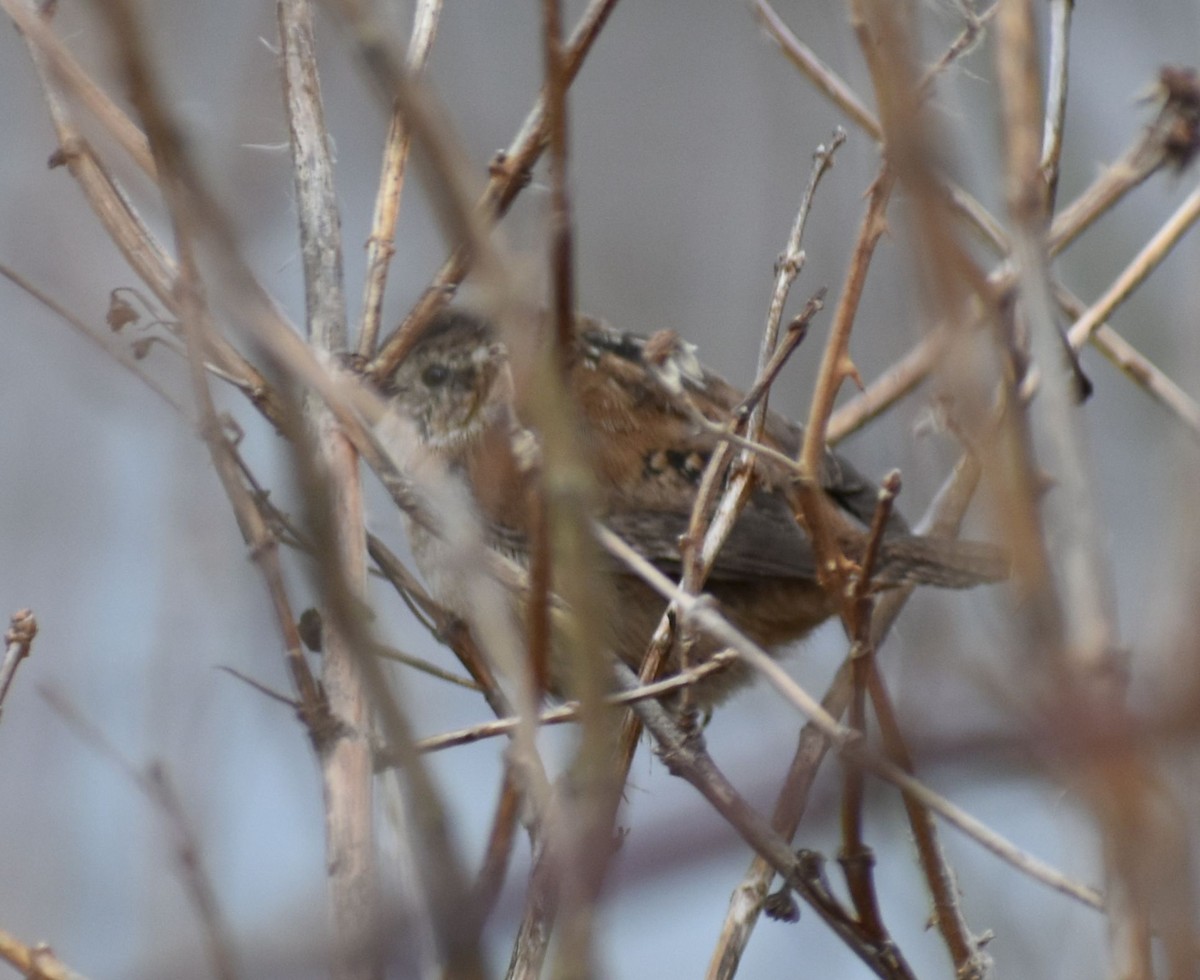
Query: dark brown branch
[[685, 756]]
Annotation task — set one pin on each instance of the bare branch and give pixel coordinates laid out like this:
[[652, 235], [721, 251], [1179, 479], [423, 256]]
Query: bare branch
[[842, 738], [509, 175], [34, 962], [18, 642], [155, 784], [1056, 93], [391, 182], [346, 762], [1134, 274]]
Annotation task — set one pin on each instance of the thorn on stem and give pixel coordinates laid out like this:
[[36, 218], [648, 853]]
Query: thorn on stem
[[848, 369]]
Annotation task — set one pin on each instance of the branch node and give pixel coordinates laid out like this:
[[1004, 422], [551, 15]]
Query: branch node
[[781, 906]]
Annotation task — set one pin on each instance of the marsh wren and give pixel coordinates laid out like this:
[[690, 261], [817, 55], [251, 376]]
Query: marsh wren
[[637, 400]]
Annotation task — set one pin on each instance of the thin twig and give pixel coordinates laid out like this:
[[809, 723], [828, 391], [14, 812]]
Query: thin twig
[[793, 337], [34, 962], [1139, 369], [1134, 274], [685, 756], [391, 182], [509, 175], [262, 688], [942, 518], [121, 356], [826, 80], [1145, 157], [966, 951], [123, 224], [968, 38], [843, 738], [498, 852], [836, 366], [1056, 94], [570, 711], [856, 858], [425, 667], [707, 534], [787, 268], [18, 642], [155, 784], [749, 897]]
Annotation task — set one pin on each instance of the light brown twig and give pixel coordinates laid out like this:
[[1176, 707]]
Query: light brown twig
[[346, 763], [570, 711], [34, 962], [18, 642], [154, 783], [391, 182], [1134, 274], [509, 174], [841, 737]]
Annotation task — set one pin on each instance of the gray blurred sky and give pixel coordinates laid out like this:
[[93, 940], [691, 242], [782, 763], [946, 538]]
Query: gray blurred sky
[[692, 140]]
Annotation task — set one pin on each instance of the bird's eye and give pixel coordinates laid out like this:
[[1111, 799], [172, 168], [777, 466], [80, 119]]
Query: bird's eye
[[435, 375]]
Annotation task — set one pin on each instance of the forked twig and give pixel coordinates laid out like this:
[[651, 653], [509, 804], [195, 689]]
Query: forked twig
[[841, 737], [509, 174], [570, 711], [685, 756], [1170, 139], [942, 518], [706, 534]]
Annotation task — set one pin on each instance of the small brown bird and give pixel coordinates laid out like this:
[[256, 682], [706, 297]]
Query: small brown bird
[[637, 398]]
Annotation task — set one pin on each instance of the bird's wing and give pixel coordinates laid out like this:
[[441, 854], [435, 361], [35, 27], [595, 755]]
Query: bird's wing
[[766, 541]]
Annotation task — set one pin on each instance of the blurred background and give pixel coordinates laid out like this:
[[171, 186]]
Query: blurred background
[[692, 141]]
